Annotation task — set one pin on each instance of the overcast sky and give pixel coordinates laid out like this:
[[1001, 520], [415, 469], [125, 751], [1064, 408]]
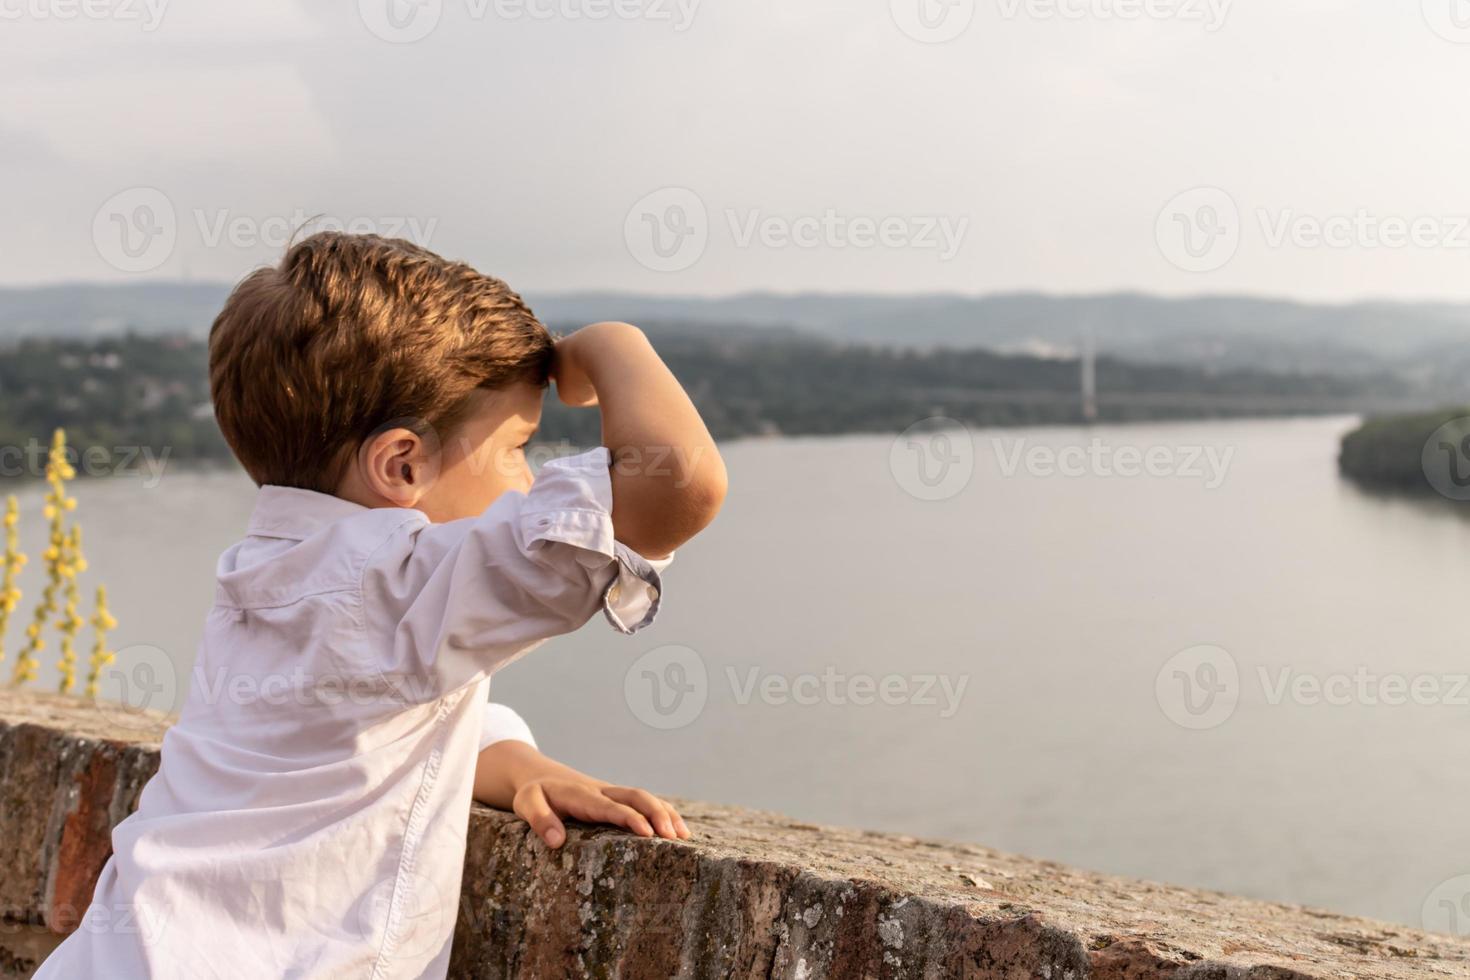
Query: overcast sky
[[1306, 148]]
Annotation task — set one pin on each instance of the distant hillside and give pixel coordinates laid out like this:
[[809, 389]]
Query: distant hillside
[[95, 310], [135, 399], [1427, 344]]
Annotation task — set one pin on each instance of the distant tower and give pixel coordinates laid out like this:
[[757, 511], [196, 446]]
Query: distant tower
[[1089, 376]]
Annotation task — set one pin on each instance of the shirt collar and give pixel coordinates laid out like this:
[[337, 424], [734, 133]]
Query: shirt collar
[[296, 514]]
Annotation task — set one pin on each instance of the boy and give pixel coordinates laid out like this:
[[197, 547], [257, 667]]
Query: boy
[[309, 816]]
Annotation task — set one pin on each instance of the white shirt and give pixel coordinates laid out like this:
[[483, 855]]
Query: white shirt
[[309, 815]]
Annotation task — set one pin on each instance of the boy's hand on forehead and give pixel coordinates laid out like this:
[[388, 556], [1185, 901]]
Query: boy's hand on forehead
[[668, 480], [573, 386]]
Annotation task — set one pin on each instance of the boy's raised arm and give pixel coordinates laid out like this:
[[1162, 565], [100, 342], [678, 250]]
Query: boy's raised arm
[[667, 475]]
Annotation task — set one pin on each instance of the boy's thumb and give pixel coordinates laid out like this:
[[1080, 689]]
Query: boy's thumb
[[532, 806]]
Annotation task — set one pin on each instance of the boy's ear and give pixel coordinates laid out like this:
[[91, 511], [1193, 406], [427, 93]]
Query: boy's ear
[[399, 464]]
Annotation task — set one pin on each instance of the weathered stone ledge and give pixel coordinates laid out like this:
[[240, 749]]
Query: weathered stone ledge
[[753, 895]]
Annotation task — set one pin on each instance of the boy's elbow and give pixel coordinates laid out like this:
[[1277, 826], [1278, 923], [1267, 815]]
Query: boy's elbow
[[707, 492], [694, 504], [670, 519]]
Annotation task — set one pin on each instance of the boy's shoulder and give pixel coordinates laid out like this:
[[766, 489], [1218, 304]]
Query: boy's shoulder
[[300, 543]]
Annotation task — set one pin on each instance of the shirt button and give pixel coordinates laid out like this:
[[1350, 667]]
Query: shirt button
[[652, 593]]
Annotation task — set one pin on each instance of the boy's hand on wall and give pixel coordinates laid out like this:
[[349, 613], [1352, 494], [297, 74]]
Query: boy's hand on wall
[[513, 775], [543, 802]]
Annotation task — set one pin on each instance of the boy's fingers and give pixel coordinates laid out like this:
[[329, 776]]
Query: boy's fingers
[[586, 803], [680, 827], [532, 806], [659, 813], [684, 830]]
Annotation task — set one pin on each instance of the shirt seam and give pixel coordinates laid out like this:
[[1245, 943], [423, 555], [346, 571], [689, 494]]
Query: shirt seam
[[273, 604], [408, 850]]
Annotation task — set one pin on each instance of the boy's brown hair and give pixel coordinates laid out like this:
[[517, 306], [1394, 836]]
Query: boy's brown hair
[[352, 333]]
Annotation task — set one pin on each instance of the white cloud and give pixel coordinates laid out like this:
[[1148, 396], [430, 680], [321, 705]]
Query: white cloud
[[528, 139], [164, 118]]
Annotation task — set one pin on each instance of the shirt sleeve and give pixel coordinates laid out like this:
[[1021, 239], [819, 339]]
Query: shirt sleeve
[[502, 724], [453, 602]]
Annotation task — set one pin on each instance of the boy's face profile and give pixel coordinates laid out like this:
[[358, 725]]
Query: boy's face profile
[[477, 462]]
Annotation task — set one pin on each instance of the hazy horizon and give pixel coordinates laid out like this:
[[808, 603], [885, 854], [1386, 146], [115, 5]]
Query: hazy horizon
[[797, 292]]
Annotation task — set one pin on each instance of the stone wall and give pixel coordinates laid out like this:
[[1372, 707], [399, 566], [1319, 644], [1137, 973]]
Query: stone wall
[[752, 895]]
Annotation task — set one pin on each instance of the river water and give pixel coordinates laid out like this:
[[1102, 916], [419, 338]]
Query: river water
[[1186, 652]]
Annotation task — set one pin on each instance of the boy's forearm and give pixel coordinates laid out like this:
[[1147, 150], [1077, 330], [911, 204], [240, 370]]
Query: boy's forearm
[[668, 478], [503, 768]]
